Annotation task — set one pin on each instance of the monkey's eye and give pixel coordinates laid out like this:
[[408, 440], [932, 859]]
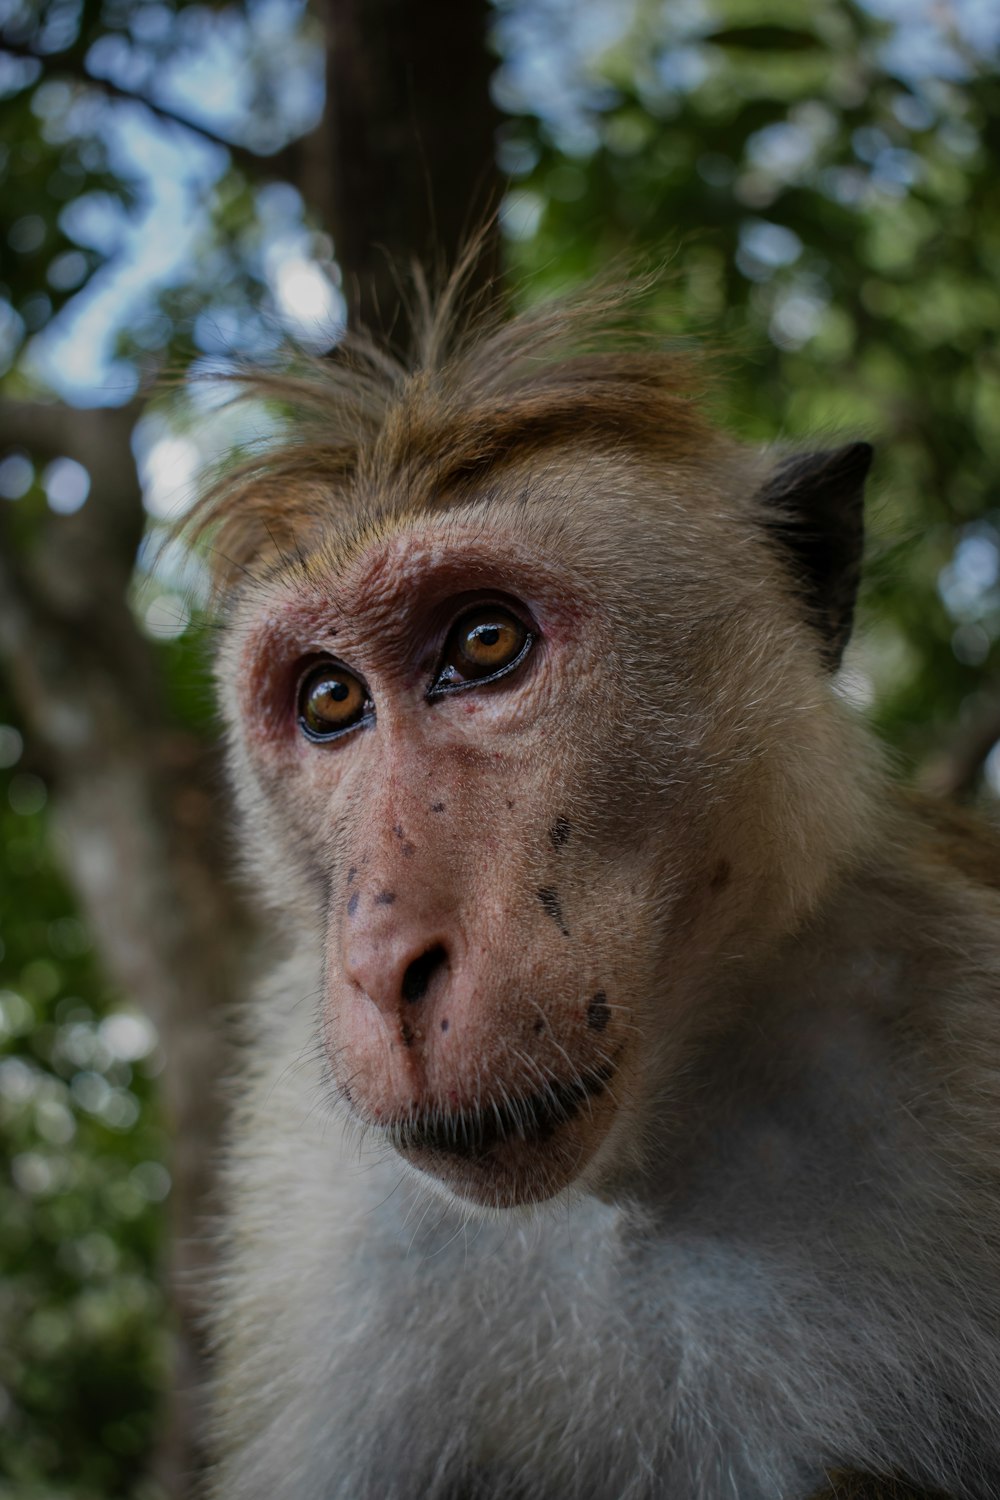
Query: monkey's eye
[[331, 701], [484, 644]]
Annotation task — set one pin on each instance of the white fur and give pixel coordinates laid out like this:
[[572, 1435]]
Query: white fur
[[804, 1280]]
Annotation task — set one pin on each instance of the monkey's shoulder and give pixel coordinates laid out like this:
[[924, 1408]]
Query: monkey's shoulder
[[845, 1486], [949, 839]]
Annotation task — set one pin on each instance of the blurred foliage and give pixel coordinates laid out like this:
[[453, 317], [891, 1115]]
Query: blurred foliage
[[82, 1185], [101, 102], [94, 167], [823, 188], [820, 183]]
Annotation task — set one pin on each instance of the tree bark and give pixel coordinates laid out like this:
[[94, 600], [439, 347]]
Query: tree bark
[[411, 127]]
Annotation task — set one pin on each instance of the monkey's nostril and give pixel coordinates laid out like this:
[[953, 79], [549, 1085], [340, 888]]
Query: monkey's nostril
[[421, 971]]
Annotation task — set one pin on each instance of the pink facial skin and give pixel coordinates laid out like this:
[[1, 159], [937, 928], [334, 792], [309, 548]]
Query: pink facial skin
[[463, 1013]]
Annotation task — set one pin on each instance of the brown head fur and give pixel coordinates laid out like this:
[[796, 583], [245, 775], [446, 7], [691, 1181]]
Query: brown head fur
[[370, 436]]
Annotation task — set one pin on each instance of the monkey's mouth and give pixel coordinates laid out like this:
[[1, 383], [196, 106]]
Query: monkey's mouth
[[528, 1119]]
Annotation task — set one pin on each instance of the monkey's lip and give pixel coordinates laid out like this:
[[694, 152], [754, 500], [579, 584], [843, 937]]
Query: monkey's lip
[[474, 1133]]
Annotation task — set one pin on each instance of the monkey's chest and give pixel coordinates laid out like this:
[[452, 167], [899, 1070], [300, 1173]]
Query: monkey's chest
[[562, 1363]]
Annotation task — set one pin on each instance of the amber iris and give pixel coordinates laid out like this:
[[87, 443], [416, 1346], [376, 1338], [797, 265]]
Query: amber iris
[[483, 644], [332, 700]]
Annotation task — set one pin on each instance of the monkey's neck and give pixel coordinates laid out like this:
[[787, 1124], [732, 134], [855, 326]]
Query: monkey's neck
[[817, 1180], [835, 1067]]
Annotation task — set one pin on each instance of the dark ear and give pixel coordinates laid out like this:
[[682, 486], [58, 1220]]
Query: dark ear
[[813, 507]]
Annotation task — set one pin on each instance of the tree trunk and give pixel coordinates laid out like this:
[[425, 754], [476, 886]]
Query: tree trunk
[[411, 130]]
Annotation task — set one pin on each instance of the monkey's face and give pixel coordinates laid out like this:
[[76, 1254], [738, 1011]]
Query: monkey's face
[[529, 794], [439, 736], [534, 737]]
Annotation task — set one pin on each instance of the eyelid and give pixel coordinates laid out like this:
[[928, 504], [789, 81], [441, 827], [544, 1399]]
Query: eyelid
[[334, 734], [439, 689], [306, 671]]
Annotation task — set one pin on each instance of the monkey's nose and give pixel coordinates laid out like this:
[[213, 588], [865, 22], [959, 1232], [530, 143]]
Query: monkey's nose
[[394, 980], [419, 974]]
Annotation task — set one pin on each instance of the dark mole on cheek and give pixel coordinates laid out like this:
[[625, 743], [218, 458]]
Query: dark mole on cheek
[[445, 1024], [352, 904], [408, 850], [539, 1026], [720, 875], [550, 901], [560, 832], [598, 1012], [437, 807], [385, 898]]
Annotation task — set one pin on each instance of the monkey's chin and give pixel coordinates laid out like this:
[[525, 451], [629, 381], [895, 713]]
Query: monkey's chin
[[509, 1176], [522, 1150]]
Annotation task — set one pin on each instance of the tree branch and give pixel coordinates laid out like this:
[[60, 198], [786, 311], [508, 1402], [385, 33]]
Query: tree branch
[[281, 163]]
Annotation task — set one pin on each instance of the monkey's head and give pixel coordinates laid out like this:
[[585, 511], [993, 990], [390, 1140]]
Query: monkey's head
[[528, 675]]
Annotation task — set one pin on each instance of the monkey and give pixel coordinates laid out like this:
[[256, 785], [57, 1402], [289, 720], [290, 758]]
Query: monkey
[[620, 1117]]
